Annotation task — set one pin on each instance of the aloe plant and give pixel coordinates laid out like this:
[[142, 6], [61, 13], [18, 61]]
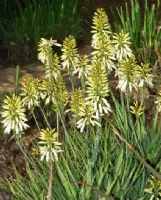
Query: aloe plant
[[109, 152]]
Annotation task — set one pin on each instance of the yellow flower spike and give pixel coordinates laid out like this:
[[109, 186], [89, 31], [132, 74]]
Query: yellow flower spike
[[155, 189], [52, 68], [83, 66], [87, 116], [13, 115], [100, 23], [128, 74], [45, 49], [46, 92], [30, 91], [35, 151], [48, 58], [49, 145], [98, 88], [101, 39], [60, 93], [77, 99], [69, 54], [105, 51], [122, 44], [137, 109], [146, 77]]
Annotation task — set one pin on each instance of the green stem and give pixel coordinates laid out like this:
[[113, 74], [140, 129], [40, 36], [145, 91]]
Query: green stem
[[142, 96], [83, 84], [138, 129], [128, 101], [59, 114], [66, 133], [57, 122], [36, 120], [49, 195], [71, 80], [96, 146], [46, 120], [71, 77], [122, 99], [155, 122], [87, 143]]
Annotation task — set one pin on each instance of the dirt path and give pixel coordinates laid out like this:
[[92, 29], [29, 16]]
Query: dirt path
[[8, 76]]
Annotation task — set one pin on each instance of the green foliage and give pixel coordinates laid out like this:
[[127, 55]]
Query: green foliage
[[117, 173], [142, 25], [35, 19], [130, 21]]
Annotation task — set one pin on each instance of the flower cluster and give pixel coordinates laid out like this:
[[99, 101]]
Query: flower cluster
[[121, 42], [155, 189], [90, 104], [101, 39], [49, 145], [30, 91], [52, 69], [13, 114], [146, 77], [77, 100], [137, 109], [105, 51], [128, 74], [45, 50], [48, 58], [97, 87], [131, 75], [83, 66], [87, 116], [69, 54], [100, 27], [60, 94], [47, 91]]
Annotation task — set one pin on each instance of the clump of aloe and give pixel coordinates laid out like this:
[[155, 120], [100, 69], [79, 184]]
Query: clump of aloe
[[87, 106]]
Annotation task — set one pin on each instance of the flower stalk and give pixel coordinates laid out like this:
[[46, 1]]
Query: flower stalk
[[96, 146], [49, 195]]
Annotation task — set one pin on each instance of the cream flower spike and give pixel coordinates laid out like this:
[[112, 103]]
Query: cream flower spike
[[46, 91], [128, 74], [100, 26], [70, 56], [30, 91], [77, 100], [83, 66], [13, 115], [98, 88], [121, 42], [45, 49], [137, 109], [146, 77], [49, 145], [87, 116]]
